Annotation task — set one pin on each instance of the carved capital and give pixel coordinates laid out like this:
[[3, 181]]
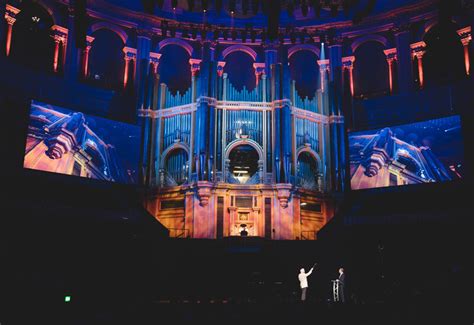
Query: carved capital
[[195, 65], [10, 20], [418, 49], [465, 35], [10, 14], [89, 40], [390, 54], [259, 68], [348, 62], [129, 53], [220, 67]]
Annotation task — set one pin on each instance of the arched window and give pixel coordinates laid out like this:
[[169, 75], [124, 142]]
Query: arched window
[[177, 165], [304, 69], [243, 165], [307, 171], [444, 57], [32, 43], [106, 59], [239, 67], [174, 68], [370, 70]]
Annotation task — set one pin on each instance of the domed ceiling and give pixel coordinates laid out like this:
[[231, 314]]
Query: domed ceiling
[[245, 13]]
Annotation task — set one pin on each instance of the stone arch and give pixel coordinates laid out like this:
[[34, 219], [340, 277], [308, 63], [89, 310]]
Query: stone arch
[[311, 152], [171, 148], [427, 26], [114, 28], [239, 48], [304, 47], [54, 16], [367, 38], [176, 41], [238, 142], [31, 41]]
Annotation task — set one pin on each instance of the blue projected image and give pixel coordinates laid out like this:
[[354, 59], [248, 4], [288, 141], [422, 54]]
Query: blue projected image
[[423, 152], [72, 143]]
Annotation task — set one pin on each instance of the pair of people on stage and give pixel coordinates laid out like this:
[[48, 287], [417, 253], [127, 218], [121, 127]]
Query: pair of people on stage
[[303, 278]]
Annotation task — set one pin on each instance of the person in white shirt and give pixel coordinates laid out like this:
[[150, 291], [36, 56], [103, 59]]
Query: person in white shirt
[[304, 282]]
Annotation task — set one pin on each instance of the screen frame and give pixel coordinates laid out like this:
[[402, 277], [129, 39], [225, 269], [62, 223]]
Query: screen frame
[[61, 178], [415, 187]]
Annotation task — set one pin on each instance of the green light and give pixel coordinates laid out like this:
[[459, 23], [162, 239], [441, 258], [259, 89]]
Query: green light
[[67, 298]]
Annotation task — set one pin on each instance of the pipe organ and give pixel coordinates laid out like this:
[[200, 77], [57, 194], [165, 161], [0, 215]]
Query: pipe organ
[[227, 162]]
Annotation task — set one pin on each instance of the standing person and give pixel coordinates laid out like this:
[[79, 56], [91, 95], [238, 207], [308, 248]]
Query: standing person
[[342, 279], [304, 282]]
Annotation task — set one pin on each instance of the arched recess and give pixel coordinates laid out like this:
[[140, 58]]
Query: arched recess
[[304, 69], [308, 165], [175, 146], [106, 59], [443, 60], [174, 68], [32, 44], [304, 47], [239, 48], [55, 14], [369, 38], [175, 41], [244, 162], [239, 142], [371, 76], [175, 161], [114, 28], [240, 70]]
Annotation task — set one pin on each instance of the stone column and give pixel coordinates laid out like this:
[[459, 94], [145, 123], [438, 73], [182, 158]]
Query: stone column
[[466, 38], [271, 57], [143, 56], [155, 61], [335, 74], [72, 64], [391, 56], [324, 69], [286, 131], [403, 57], [60, 35], [10, 14], [348, 64], [418, 50], [85, 56], [204, 66], [130, 56], [335, 91], [325, 148], [259, 71]]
